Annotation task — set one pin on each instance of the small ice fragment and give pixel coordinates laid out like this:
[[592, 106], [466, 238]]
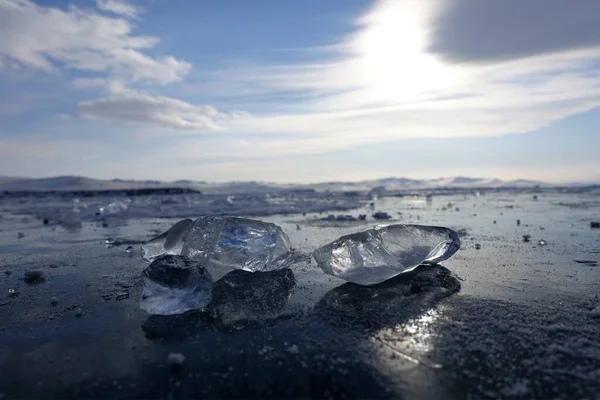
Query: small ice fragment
[[20, 235], [34, 276], [381, 215], [129, 249], [123, 295], [293, 349], [378, 254], [175, 361], [595, 313], [227, 243], [109, 242], [589, 263], [71, 219], [78, 312], [54, 301], [174, 285], [542, 242], [13, 292], [115, 207], [170, 242]]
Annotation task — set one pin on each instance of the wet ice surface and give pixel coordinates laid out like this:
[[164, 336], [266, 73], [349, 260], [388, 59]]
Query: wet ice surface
[[513, 319], [375, 255]]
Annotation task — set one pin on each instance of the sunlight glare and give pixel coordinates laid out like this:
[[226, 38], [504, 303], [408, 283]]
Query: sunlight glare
[[391, 50]]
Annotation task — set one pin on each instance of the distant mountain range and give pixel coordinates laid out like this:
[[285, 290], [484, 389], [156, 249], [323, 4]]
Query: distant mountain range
[[77, 183]]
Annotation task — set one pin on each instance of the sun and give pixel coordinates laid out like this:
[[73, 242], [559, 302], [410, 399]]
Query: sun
[[390, 48]]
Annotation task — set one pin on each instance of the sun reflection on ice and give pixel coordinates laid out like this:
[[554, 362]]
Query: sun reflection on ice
[[411, 341]]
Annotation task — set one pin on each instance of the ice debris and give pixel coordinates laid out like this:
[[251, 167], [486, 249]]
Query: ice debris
[[175, 361], [175, 284], [34, 276], [375, 255], [223, 244], [113, 208], [381, 215]]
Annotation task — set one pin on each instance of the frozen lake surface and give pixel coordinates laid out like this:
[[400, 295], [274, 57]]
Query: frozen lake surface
[[504, 318]]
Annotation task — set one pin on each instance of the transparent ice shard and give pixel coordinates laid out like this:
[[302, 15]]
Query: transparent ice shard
[[174, 285], [228, 243], [378, 254], [71, 219], [170, 242]]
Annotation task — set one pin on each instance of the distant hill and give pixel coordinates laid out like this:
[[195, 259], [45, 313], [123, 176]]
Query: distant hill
[[68, 183], [78, 183]]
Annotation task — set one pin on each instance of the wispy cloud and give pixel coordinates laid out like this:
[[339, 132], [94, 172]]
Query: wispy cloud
[[120, 7], [49, 39], [128, 105]]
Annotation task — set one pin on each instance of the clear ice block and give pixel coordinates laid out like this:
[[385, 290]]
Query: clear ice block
[[228, 243], [375, 255]]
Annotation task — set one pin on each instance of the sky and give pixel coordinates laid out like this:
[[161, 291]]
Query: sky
[[300, 91]]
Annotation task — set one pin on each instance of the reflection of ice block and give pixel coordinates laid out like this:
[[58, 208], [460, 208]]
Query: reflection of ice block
[[228, 243], [378, 254], [246, 297], [170, 242], [174, 285]]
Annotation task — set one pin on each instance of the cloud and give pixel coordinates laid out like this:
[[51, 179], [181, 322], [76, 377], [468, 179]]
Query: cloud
[[382, 83], [132, 106], [119, 7], [49, 39], [487, 31]]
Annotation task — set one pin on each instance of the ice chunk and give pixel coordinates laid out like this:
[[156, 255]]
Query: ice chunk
[[378, 254], [228, 243], [170, 242], [71, 219], [175, 284]]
